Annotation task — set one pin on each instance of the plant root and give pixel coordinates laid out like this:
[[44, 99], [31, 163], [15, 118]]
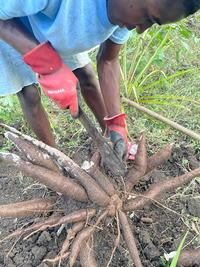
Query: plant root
[[189, 257], [49, 221], [92, 184], [70, 235], [159, 189], [51, 179], [26, 208], [33, 154], [159, 158], [101, 179], [86, 254], [129, 239], [74, 216], [139, 165]]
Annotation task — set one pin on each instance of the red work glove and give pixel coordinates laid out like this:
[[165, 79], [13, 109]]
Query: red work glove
[[57, 80], [117, 127]]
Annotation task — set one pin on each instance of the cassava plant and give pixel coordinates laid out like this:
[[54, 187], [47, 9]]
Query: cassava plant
[[142, 60], [91, 184]]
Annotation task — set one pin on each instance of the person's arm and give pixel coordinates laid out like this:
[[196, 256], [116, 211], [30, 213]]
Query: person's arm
[[14, 32], [109, 78], [57, 80]]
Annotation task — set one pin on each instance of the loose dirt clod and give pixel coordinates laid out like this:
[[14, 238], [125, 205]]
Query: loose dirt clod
[[92, 185]]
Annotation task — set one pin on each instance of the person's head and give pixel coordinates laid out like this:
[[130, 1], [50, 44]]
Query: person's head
[[142, 14]]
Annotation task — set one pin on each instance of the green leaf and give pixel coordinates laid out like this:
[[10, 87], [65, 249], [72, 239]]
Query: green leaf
[[185, 34], [175, 259], [187, 47]]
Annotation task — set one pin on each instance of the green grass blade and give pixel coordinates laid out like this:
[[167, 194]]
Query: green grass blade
[[172, 97], [169, 77], [152, 58], [175, 259]]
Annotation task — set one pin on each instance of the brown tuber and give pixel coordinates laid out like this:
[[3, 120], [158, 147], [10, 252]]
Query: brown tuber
[[97, 187], [26, 208]]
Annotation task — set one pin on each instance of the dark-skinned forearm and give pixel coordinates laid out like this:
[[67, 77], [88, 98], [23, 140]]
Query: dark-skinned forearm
[[109, 78], [14, 32]]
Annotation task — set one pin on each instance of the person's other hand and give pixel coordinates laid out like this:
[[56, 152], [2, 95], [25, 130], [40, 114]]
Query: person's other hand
[[57, 80], [117, 127]]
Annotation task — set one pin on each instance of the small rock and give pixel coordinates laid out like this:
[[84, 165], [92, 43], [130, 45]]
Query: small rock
[[144, 238], [39, 253], [44, 238], [193, 207], [151, 251]]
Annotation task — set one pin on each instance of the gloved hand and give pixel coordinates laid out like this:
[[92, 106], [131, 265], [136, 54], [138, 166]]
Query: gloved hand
[[57, 80], [117, 127]]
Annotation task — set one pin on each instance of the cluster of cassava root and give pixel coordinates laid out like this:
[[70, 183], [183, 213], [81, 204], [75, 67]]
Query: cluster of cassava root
[[46, 164]]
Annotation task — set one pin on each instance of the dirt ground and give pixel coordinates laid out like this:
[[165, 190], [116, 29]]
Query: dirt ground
[[169, 216]]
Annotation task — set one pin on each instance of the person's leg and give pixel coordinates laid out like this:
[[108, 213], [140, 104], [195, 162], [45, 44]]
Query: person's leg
[[29, 98], [91, 92]]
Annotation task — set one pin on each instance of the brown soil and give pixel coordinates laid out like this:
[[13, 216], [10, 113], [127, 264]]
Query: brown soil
[[164, 234]]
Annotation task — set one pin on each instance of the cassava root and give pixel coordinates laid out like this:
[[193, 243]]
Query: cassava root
[[95, 186]]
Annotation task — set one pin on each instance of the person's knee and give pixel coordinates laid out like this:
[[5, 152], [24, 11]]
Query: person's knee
[[29, 96]]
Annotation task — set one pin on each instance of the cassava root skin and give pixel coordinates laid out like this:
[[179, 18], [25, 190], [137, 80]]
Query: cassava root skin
[[86, 253], [159, 158], [78, 242], [129, 239], [70, 234], [51, 179], [32, 153], [139, 166], [100, 191], [94, 191], [159, 189], [101, 179], [26, 208], [189, 258]]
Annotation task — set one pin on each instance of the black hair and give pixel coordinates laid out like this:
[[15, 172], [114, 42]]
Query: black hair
[[191, 6]]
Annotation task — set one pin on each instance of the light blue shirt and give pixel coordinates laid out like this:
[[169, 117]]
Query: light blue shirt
[[71, 26]]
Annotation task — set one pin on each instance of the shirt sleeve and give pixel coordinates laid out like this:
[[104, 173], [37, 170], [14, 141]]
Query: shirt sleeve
[[120, 36], [19, 8]]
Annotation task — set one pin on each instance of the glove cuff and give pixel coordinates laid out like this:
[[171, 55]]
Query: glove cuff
[[118, 120], [118, 124], [43, 59]]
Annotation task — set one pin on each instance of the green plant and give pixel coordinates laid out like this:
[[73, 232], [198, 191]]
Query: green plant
[[175, 259], [166, 263], [7, 104], [163, 262], [141, 66]]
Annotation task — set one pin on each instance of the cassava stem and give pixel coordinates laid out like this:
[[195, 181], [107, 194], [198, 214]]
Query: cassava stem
[[159, 189], [26, 208]]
